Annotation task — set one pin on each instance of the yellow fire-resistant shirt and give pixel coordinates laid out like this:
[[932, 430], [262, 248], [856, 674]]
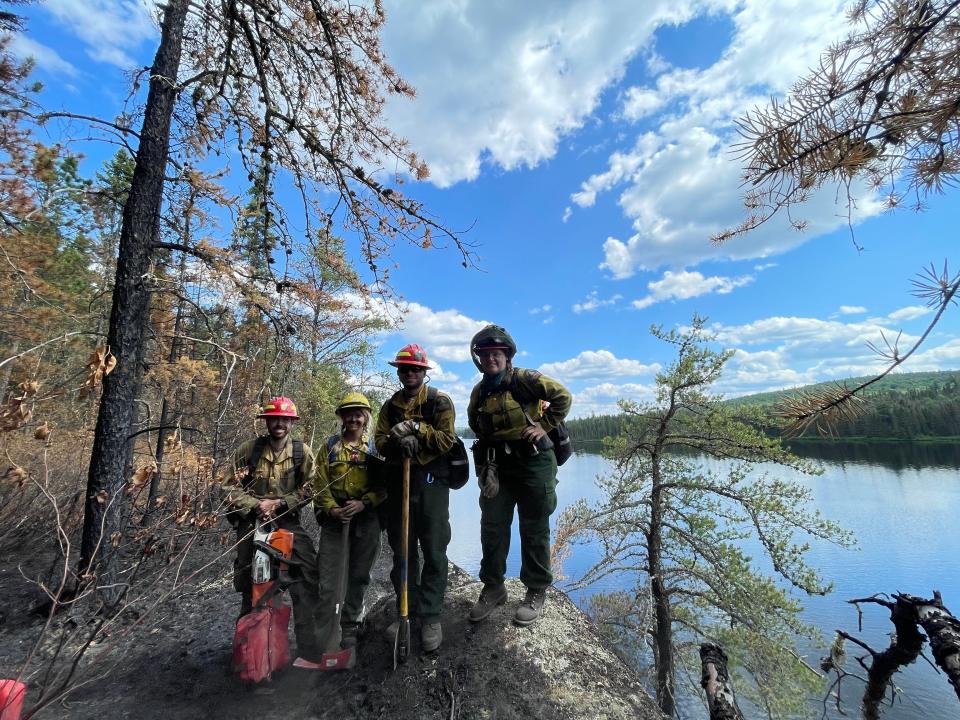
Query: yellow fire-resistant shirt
[[350, 475], [496, 415], [436, 435], [274, 477]]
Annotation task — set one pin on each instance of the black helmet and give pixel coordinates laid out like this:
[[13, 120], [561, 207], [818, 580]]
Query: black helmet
[[492, 337]]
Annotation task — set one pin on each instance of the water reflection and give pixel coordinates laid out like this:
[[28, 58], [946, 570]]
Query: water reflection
[[899, 500], [892, 455]]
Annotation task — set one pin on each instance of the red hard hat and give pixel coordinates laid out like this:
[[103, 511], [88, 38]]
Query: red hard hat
[[279, 406], [411, 354]]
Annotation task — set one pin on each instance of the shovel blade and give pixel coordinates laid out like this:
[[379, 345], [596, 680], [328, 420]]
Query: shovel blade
[[341, 660], [401, 643]]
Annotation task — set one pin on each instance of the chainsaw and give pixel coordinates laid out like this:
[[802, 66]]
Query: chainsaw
[[272, 558]]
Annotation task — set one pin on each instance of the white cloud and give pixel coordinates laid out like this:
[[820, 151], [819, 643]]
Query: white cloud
[[593, 301], [944, 357], [46, 58], [445, 334], [597, 365], [764, 266], [112, 30], [909, 313], [567, 213], [688, 189], [541, 309], [681, 182], [783, 352], [437, 373], [812, 335], [503, 82], [602, 399], [684, 285], [852, 310], [639, 102]]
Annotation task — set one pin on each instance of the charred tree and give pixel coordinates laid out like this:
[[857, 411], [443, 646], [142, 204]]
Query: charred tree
[[943, 631], [715, 681], [905, 647], [129, 316]]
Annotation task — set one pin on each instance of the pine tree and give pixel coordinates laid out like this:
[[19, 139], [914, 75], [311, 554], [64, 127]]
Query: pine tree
[[676, 524]]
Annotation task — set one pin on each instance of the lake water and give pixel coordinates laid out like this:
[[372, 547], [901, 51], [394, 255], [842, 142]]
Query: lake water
[[901, 501]]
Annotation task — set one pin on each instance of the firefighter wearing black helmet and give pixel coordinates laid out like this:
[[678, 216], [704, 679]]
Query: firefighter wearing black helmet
[[511, 411]]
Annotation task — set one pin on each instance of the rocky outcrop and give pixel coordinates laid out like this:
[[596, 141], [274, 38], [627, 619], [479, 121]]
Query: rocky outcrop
[[558, 668], [176, 666]]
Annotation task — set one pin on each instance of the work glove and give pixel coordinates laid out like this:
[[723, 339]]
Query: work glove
[[489, 480], [409, 446], [403, 429]]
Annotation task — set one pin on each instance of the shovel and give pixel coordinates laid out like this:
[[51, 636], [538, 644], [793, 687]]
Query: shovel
[[345, 658], [401, 643]]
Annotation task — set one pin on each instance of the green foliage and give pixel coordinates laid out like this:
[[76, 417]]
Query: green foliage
[[678, 523], [595, 427]]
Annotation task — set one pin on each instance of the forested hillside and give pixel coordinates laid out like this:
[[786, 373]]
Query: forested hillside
[[903, 406]]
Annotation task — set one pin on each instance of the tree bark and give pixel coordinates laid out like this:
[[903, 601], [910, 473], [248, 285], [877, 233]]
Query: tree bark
[[904, 649], [663, 637], [112, 450], [943, 631], [715, 681]]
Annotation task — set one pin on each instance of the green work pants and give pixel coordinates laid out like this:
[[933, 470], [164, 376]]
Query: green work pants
[[529, 484], [363, 546], [430, 532], [303, 592]]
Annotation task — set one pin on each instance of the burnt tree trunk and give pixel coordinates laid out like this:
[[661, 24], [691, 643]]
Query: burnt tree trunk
[[129, 315], [943, 631], [663, 630], [904, 649], [715, 680]]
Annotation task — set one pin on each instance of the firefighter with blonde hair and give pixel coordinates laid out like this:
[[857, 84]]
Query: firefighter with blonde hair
[[349, 487]]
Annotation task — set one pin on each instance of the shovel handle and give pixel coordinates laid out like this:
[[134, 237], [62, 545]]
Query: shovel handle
[[405, 541]]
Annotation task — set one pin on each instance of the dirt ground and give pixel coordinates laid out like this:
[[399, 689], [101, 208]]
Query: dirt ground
[[177, 665]]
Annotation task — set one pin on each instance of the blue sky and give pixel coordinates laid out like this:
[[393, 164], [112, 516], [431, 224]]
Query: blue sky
[[586, 146]]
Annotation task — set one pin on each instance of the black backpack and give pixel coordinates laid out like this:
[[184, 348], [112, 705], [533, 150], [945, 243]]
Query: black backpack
[[559, 436], [452, 467]]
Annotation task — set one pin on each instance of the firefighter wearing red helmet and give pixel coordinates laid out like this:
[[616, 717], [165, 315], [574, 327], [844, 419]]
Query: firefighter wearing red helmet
[[272, 480], [512, 410], [418, 422]]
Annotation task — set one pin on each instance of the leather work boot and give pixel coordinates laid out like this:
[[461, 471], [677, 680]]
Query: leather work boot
[[490, 597], [531, 607], [431, 635]]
